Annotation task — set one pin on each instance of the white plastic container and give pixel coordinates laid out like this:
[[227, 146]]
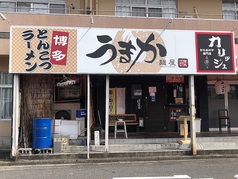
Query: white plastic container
[[198, 124]]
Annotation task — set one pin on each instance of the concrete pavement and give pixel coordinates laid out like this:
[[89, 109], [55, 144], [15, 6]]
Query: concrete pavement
[[102, 157]]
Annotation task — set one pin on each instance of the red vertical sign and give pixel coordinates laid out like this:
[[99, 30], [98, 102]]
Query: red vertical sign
[[59, 47]]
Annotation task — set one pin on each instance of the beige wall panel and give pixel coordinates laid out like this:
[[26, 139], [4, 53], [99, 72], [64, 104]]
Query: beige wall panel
[[4, 46], [106, 7], [211, 9], [4, 64], [5, 128], [131, 22], [191, 24], [4, 26], [222, 25]]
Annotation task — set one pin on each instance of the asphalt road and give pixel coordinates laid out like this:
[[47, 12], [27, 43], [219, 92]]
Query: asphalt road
[[199, 168]]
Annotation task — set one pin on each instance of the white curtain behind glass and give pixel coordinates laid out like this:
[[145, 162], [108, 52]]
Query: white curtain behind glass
[[7, 7], [169, 12], [139, 11], [229, 14], [6, 103], [123, 11], [23, 7], [169, 2], [6, 96], [137, 2], [39, 8]]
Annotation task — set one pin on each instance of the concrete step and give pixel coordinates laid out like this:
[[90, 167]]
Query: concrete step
[[217, 139], [129, 141], [129, 147], [123, 140], [155, 147], [154, 144], [217, 145]]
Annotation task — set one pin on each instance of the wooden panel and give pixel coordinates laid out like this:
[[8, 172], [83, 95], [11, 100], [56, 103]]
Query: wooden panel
[[125, 117]]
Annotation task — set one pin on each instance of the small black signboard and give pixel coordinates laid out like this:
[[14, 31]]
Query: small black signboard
[[215, 52]]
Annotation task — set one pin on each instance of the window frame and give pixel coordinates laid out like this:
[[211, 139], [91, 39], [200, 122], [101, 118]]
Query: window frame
[[162, 6]]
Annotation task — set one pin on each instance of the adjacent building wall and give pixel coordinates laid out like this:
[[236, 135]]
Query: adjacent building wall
[[106, 7], [202, 9], [5, 126]]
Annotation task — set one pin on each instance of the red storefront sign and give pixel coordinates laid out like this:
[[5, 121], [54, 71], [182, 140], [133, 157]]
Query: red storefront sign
[[174, 79], [59, 48]]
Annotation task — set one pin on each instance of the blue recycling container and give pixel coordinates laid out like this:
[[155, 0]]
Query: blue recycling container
[[42, 133], [81, 113]]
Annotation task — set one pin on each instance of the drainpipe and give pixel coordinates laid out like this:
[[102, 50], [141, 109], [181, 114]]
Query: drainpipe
[[192, 115], [107, 113], [16, 115], [88, 114]]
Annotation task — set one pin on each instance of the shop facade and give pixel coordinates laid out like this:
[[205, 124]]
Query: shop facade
[[150, 94], [157, 67]]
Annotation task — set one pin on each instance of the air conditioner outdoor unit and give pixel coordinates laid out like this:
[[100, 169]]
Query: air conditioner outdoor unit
[[63, 114], [66, 110]]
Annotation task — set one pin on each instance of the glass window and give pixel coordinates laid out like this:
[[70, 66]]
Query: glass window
[[233, 93], [23, 7], [39, 8], [121, 1], [5, 96], [57, 8], [229, 10], [122, 11], [154, 2], [147, 8], [4, 35], [212, 93], [169, 12], [155, 12], [42, 8], [137, 2], [7, 6], [169, 2], [139, 11], [229, 14], [6, 79], [228, 4]]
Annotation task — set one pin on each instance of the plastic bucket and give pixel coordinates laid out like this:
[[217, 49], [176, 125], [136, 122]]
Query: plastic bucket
[[84, 142], [42, 133]]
